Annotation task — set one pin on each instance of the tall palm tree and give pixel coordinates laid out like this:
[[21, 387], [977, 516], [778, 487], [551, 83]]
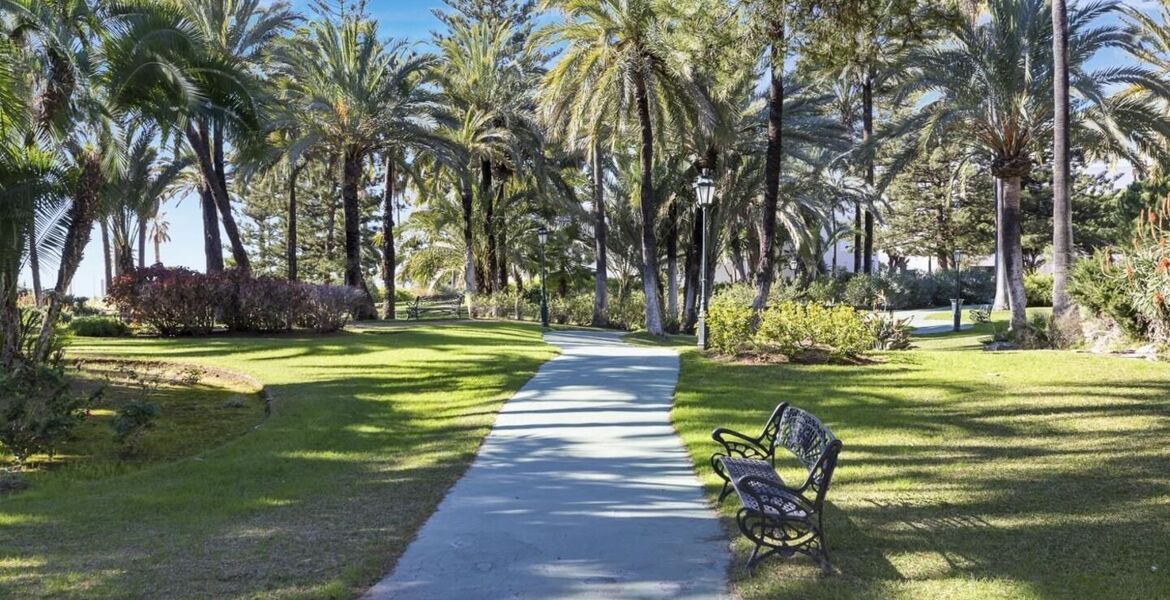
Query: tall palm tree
[[992, 83], [620, 51], [1062, 249], [160, 233], [340, 74]]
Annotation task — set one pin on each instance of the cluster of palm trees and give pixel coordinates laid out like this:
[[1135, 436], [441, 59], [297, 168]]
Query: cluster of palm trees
[[593, 121]]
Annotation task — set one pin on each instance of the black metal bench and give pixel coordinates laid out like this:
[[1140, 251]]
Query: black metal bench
[[434, 305], [777, 518]]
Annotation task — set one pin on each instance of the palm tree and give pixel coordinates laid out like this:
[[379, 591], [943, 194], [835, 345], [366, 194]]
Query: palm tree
[[340, 77], [160, 233], [133, 195], [1062, 252], [992, 84], [619, 51]]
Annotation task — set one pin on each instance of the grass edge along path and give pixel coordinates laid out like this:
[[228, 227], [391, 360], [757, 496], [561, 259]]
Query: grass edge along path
[[369, 431], [964, 474]]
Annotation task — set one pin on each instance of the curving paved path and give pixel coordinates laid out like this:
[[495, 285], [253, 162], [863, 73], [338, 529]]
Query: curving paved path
[[581, 490]]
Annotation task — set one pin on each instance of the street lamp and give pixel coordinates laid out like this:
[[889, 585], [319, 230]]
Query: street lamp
[[957, 304], [705, 193], [542, 234]]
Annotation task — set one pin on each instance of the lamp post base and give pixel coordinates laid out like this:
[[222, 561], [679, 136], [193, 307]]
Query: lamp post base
[[702, 333]]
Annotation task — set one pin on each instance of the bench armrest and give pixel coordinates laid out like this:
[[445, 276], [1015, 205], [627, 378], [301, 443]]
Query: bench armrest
[[738, 444]]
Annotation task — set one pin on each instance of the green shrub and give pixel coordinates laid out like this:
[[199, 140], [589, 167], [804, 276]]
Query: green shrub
[[890, 332], [98, 327], [628, 313], [37, 409], [826, 289], [1038, 289], [575, 309], [1101, 287], [131, 424], [861, 291], [729, 324], [798, 329]]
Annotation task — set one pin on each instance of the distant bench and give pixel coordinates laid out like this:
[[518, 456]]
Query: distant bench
[[778, 518], [434, 305]]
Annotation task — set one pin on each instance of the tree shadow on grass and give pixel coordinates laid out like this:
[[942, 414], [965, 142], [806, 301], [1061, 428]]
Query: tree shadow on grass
[[321, 498], [1035, 475]]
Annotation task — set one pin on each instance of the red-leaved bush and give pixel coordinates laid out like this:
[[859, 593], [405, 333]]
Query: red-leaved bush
[[326, 308], [173, 301], [179, 301]]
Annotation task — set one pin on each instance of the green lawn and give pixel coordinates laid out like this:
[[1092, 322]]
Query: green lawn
[[368, 431], [999, 315], [964, 474]]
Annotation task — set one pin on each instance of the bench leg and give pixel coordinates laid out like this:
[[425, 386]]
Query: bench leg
[[718, 467]]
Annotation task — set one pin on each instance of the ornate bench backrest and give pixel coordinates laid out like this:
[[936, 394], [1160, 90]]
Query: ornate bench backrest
[[812, 444]]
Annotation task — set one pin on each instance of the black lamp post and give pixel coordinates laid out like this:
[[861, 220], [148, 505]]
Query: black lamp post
[[542, 234], [705, 193]]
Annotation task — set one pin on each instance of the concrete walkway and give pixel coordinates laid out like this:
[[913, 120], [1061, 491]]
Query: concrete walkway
[[581, 490]]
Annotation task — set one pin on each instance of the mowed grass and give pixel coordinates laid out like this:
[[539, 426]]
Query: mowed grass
[[369, 429], [199, 411], [964, 474]]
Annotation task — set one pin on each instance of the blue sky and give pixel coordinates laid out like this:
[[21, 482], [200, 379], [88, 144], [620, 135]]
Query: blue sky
[[411, 19]]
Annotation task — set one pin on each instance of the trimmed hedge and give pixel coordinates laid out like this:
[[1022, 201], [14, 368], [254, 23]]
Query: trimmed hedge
[[98, 327], [793, 329], [178, 301]]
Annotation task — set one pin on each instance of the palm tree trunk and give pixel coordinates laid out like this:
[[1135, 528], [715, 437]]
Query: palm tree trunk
[[212, 246], [141, 243], [81, 214], [501, 245], [1013, 252], [105, 226], [601, 270], [1001, 289], [34, 263], [351, 180], [223, 201], [468, 238], [1062, 235], [291, 237], [672, 263], [867, 122], [691, 269], [649, 209], [489, 223], [735, 245], [767, 266], [389, 310], [10, 323]]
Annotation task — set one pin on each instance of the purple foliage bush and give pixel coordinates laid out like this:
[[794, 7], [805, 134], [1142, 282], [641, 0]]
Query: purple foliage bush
[[179, 301]]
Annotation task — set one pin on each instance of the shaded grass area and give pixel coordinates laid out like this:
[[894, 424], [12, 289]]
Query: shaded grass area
[[964, 474], [199, 411], [997, 315], [368, 432]]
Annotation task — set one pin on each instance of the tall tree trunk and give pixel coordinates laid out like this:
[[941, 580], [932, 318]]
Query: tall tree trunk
[[489, 224], [80, 217], [290, 250], [212, 246], [767, 266], [1013, 252], [223, 202], [34, 262], [735, 244], [124, 257], [215, 179], [105, 227], [1062, 235], [672, 262], [141, 243], [350, 182], [1001, 287], [867, 122], [468, 238], [389, 265], [601, 271], [691, 269], [649, 209], [10, 322], [858, 239], [157, 251], [501, 245]]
